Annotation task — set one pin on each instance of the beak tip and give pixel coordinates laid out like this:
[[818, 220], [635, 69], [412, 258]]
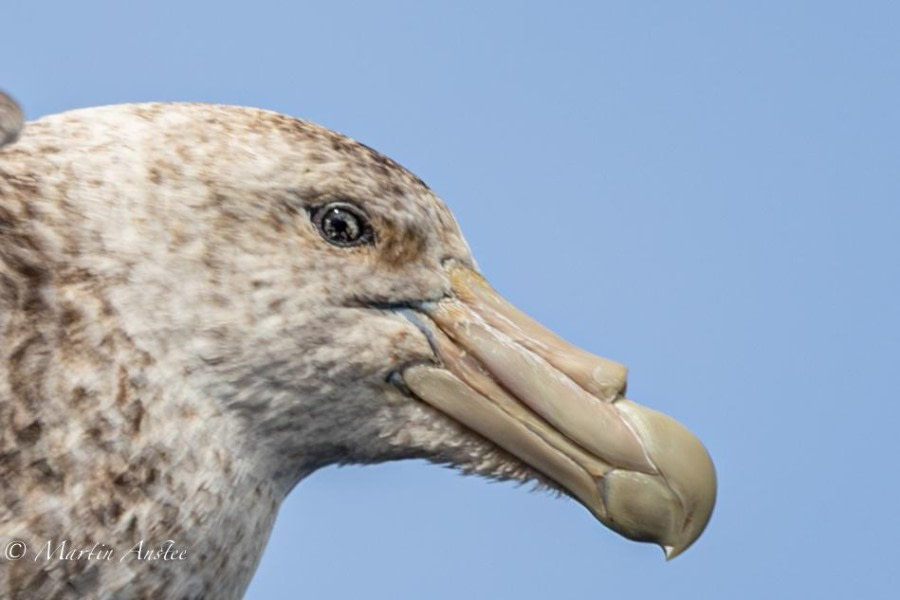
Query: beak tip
[[673, 551], [686, 468]]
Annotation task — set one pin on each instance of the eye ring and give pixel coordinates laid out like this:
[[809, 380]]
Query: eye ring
[[342, 224]]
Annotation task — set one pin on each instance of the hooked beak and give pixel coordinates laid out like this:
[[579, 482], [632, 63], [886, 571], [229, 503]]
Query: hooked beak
[[561, 410]]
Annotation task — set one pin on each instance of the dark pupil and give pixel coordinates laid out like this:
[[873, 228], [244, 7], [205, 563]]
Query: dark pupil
[[341, 226]]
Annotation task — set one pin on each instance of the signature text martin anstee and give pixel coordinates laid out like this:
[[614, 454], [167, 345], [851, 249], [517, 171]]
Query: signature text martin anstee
[[143, 550]]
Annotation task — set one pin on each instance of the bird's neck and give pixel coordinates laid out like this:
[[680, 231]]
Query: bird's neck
[[114, 447], [218, 503]]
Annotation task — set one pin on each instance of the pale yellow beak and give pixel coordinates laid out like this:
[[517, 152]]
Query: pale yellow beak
[[561, 410]]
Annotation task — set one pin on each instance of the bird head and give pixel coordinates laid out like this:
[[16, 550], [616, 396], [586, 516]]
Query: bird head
[[325, 297]]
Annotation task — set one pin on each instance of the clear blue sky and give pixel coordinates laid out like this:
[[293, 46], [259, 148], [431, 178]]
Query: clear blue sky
[[706, 191]]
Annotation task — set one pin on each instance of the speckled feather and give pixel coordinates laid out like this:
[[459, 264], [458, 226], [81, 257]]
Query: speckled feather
[[180, 346]]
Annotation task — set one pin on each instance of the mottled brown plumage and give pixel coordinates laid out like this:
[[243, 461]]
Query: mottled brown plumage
[[180, 347], [181, 342], [10, 119]]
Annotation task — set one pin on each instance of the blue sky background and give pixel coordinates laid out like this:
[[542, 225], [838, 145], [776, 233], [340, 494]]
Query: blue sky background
[[706, 191]]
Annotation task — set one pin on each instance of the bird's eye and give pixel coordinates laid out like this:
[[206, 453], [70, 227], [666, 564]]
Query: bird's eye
[[342, 224]]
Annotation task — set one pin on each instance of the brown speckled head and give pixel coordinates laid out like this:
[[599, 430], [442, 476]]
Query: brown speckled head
[[181, 345], [200, 305]]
